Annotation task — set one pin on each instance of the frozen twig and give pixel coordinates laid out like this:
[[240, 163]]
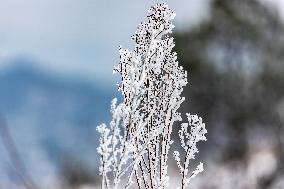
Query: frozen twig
[[138, 140]]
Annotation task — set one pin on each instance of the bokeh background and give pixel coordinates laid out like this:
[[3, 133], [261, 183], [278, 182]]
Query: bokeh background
[[56, 84]]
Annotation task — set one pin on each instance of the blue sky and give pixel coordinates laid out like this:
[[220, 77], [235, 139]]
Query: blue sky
[[79, 37]]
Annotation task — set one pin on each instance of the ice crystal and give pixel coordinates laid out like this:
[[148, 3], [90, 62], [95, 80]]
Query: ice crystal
[[134, 149]]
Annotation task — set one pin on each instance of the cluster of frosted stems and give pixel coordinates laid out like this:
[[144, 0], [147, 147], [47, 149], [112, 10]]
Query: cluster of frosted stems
[[134, 147]]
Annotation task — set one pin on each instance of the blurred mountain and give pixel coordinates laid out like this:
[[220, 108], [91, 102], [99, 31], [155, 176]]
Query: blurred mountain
[[51, 118], [24, 80]]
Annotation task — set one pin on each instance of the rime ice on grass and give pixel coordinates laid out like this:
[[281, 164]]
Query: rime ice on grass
[[134, 148], [190, 133]]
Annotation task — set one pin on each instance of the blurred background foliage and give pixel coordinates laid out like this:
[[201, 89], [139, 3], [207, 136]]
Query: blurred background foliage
[[234, 60], [236, 83]]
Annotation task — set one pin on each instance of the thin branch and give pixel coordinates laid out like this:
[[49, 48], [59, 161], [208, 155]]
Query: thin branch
[[14, 155]]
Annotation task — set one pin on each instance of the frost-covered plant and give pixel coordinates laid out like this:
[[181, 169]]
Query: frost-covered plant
[[135, 146]]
